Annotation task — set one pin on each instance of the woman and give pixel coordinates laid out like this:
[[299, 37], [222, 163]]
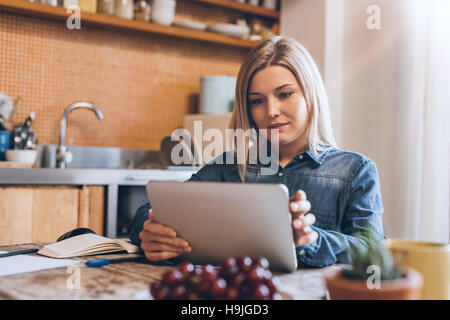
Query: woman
[[334, 194]]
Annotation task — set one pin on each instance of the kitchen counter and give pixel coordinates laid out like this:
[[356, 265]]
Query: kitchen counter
[[127, 177]]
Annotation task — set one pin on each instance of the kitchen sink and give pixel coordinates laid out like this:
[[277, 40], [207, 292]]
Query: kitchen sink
[[87, 157]]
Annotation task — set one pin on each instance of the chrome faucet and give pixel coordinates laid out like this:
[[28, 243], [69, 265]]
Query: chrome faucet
[[64, 156]]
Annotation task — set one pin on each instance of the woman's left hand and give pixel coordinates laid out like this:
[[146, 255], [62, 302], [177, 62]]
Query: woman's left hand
[[301, 219]]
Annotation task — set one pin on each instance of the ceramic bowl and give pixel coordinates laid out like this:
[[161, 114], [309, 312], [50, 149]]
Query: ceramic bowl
[[23, 156], [190, 25], [233, 30]]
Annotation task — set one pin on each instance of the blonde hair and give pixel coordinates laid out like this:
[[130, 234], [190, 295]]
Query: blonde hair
[[289, 53]]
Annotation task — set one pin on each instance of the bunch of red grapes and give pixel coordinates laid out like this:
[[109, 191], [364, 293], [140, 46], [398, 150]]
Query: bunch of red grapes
[[237, 279]]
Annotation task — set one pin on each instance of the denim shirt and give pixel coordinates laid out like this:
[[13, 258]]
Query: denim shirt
[[343, 189]]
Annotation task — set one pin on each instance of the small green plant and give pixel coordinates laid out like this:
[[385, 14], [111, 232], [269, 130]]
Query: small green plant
[[375, 254]]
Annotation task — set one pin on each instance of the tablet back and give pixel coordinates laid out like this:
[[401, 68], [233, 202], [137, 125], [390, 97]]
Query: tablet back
[[221, 220]]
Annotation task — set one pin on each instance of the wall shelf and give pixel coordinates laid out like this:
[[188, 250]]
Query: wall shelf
[[44, 11], [243, 7]]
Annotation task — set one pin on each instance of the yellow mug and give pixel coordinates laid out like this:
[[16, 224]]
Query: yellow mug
[[431, 259]]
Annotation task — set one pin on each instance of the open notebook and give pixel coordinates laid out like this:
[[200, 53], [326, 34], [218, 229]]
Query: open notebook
[[85, 245]]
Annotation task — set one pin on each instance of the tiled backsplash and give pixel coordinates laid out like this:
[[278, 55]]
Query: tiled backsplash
[[144, 84]]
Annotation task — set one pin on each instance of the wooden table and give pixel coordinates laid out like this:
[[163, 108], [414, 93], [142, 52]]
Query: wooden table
[[129, 280]]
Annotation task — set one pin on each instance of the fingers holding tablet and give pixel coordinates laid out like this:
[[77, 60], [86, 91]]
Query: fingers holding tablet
[[160, 242], [158, 247], [158, 256], [299, 208], [173, 241], [305, 237], [153, 246], [304, 221], [299, 195], [299, 205], [151, 216], [303, 234]]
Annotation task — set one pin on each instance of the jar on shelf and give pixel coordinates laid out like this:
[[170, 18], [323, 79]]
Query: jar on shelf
[[50, 2], [163, 11], [106, 6], [124, 9], [270, 4], [142, 10], [68, 3]]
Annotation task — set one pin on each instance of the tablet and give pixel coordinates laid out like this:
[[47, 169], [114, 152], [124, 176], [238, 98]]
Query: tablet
[[221, 220]]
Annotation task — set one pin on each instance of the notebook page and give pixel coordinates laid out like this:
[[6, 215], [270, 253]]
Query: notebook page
[[79, 244], [26, 263]]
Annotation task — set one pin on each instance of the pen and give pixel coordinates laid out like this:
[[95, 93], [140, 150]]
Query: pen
[[14, 253], [104, 262]]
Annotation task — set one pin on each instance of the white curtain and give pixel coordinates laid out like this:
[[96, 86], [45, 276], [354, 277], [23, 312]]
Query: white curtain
[[389, 91]]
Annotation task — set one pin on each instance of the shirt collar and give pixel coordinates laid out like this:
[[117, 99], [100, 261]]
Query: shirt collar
[[320, 158]]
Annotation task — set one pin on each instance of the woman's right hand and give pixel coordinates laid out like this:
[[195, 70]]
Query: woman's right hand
[[160, 242]]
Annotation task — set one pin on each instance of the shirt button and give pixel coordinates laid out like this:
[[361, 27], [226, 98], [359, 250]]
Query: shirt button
[[280, 174], [302, 252], [300, 157]]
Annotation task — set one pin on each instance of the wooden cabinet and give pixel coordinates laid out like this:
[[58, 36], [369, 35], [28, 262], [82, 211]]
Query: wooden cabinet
[[43, 213]]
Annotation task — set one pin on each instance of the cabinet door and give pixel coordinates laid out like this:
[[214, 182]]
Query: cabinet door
[[91, 208], [43, 213], [55, 211], [15, 215]]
